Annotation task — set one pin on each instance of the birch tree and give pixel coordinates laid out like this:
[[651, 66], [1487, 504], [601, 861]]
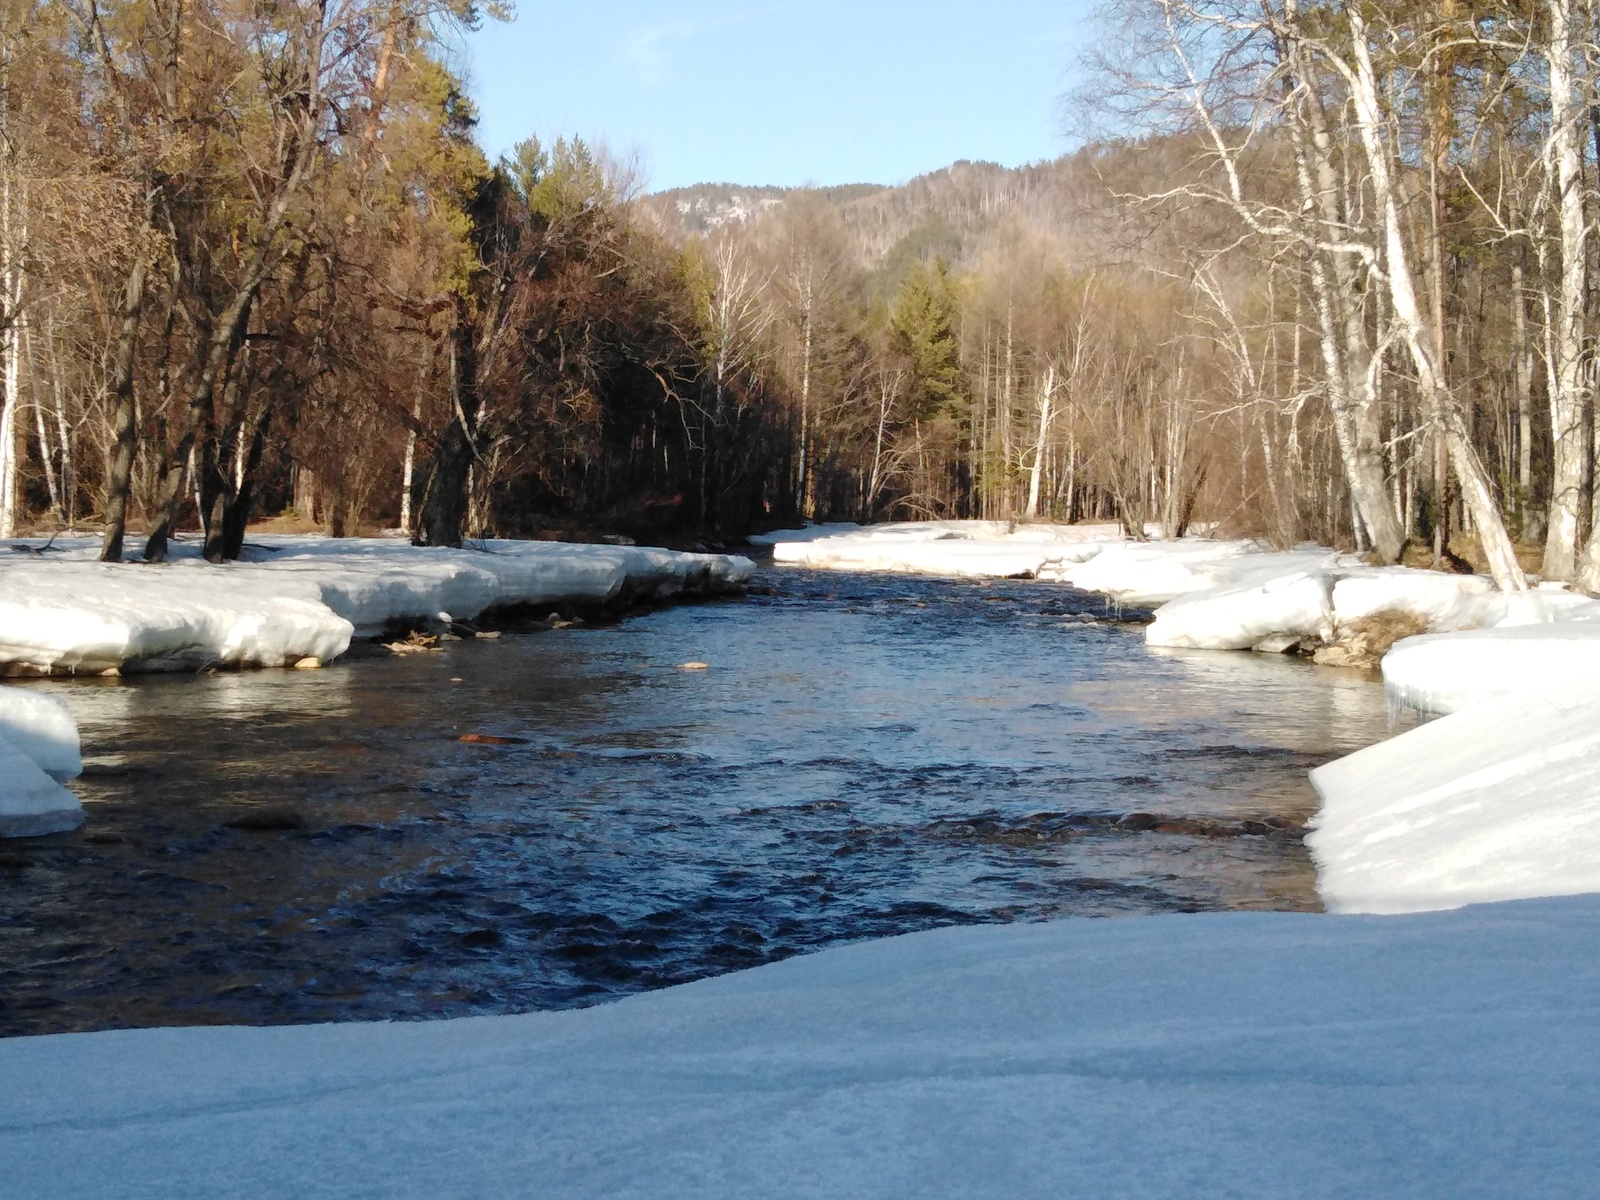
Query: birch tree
[[1569, 393]]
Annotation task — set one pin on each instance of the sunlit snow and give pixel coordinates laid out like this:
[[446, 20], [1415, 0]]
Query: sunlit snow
[[1499, 801], [303, 597], [1241, 1054]]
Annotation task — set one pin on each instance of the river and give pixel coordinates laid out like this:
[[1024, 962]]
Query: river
[[863, 756]]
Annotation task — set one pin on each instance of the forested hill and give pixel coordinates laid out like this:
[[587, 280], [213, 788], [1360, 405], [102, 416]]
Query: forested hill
[[951, 213]]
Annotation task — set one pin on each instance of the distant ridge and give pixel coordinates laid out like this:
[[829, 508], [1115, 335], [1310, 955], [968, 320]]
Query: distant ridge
[[954, 213], [703, 207]]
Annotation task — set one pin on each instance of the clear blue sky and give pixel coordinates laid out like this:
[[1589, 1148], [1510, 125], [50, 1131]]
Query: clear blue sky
[[788, 92]]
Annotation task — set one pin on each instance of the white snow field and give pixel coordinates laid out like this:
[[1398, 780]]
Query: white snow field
[[302, 597], [1266, 1055], [38, 753]]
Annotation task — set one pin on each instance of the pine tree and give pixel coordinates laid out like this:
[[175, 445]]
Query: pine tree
[[923, 320]]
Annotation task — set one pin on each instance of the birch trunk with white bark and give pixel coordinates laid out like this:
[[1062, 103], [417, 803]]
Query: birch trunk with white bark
[[1564, 166], [1047, 388], [1401, 280], [1346, 352]]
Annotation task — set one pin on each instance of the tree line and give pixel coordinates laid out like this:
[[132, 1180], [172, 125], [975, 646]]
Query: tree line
[[1325, 274]]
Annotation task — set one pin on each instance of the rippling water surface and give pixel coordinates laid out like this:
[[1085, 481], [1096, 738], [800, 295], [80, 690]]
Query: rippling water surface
[[864, 756]]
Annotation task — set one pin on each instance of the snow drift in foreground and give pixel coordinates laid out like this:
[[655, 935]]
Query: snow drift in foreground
[[39, 752], [1500, 801], [1241, 1054], [303, 597]]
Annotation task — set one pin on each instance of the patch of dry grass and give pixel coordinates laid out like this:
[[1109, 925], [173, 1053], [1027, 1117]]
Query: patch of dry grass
[[1364, 642], [289, 522], [1419, 554]]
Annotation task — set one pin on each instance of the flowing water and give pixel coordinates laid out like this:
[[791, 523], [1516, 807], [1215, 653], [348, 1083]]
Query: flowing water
[[865, 755]]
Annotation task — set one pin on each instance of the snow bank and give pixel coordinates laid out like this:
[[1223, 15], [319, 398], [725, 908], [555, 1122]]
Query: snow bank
[[86, 618], [956, 558], [38, 753], [1443, 673], [31, 802], [1094, 558], [1236, 618], [809, 533], [299, 597], [43, 728], [1276, 599], [962, 549], [1247, 1054], [1498, 802], [1150, 573], [902, 532], [1539, 641], [1443, 601]]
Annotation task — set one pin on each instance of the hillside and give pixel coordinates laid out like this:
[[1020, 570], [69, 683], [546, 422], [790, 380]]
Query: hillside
[[954, 213]]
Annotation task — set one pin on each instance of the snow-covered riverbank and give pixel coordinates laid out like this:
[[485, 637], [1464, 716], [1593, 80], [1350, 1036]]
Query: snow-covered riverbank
[[294, 601], [1264, 1055], [1209, 594], [298, 598]]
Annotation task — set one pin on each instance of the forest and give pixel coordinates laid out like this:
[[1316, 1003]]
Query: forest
[[1318, 271]]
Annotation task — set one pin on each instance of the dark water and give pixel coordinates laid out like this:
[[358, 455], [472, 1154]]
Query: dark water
[[865, 756]]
